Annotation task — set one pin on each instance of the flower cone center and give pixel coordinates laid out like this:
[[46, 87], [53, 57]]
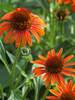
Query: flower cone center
[[21, 21], [61, 14], [54, 65]]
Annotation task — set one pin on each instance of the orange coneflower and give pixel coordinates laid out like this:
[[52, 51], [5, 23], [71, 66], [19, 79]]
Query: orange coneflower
[[64, 92], [53, 67], [19, 24]]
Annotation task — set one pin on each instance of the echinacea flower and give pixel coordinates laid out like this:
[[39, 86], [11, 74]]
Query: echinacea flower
[[53, 67], [64, 92], [20, 24]]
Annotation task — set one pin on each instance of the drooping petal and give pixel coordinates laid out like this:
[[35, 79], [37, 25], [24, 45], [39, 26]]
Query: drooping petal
[[37, 20], [7, 16], [35, 34], [4, 27], [23, 39], [28, 38], [39, 30], [18, 40], [7, 37]]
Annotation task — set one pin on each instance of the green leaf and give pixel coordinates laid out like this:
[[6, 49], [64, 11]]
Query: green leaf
[[6, 7]]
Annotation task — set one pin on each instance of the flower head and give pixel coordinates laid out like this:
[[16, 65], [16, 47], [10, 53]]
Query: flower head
[[19, 24], [64, 92], [53, 67], [62, 14]]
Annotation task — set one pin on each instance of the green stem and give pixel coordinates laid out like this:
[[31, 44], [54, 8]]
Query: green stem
[[46, 92], [14, 67], [62, 30], [36, 90]]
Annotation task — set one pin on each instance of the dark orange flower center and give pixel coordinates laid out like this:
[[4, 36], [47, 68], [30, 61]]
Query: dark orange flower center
[[21, 20], [54, 65], [67, 96], [61, 14]]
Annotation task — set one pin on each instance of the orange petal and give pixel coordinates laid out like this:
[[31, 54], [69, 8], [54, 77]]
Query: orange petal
[[60, 52], [67, 1], [54, 92], [68, 73], [51, 98], [4, 28], [59, 1], [37, 20], [69, 64], [73, 88], [58, 78], [38, 62], [18, 39], [69, 85], [53, 52], [12, 38], [39, 30], [60, 89], [28, 38], [23, 39], [69, 69], [3, 24], [42, 57], [49, 54], [7, 16], [48, 80], [61, 78], [36, 35], [44, 77], [37, 69], [53, 78], [7, 37], [68, 58], [38, 72]]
